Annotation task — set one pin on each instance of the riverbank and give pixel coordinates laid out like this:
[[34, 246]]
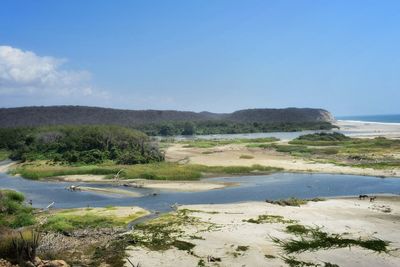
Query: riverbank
[[240, 155], [253, 234]]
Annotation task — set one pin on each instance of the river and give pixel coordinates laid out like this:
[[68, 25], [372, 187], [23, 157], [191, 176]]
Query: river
[[250, 188]]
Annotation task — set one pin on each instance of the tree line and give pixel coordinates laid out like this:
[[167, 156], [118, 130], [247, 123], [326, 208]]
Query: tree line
[[80, 144]]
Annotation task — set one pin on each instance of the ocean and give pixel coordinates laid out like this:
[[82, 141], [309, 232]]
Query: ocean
[[392, 118]]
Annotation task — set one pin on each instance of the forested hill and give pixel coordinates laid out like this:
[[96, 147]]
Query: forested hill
[[79, 115]]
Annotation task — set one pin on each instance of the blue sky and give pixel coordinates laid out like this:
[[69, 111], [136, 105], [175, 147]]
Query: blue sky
[[212, 55]]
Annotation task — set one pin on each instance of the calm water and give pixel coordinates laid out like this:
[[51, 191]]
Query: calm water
[[251, 188], [393, 118], [280, 135]]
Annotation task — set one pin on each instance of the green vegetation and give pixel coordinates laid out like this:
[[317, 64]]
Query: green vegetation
[[166, 231], [267, 256], [246, 157], [14, 212], [269, 219], [293, 201], [321, 138], [201, 143], [73, 219], [293, 262], [4, 154], [227, 127], [19, 247], [242, 248], [113, 253], [312, 239], [154, 171], [336, 148], [80, 144], [67, 223]]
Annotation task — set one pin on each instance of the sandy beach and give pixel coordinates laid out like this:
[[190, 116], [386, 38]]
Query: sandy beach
[[369, 129], [352, 218]]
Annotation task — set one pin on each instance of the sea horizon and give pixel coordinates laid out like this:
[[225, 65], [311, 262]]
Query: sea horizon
[[382, 118]]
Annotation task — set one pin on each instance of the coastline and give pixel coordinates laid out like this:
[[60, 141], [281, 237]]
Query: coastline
[[369, 129]]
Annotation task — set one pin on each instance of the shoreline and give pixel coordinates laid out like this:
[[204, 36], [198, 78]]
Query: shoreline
[[235, 234]]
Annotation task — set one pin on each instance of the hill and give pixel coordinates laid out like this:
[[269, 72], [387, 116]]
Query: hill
[[171, 122], [78, 115]]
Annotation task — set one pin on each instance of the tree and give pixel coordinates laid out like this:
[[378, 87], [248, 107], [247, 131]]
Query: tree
[[189, 128]]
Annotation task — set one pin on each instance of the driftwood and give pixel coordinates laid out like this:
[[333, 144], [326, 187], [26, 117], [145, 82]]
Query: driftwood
[[132, 264]]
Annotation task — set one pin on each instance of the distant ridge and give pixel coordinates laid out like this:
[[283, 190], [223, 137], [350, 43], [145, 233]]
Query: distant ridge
[[81, 115]]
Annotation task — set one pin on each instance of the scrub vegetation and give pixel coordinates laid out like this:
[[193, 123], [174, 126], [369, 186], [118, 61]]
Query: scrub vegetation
[[201, 143], [336, 148], [293, 201], [311, 239], [153, 171], [166, 231], [14, 212], [4, 154], [269, 219], [80, 145]]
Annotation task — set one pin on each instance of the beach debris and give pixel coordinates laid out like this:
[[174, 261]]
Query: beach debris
[[213, 259], [132, 264], [50, 205], [174, 206], [74, 188]]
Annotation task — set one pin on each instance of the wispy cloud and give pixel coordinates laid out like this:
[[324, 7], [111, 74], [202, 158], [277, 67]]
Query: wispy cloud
[[25, 74]]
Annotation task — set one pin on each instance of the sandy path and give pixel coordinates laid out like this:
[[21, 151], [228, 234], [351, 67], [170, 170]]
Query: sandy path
[[358, 218]]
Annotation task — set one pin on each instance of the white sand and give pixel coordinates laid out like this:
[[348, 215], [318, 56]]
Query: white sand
[[358, 218], [370, 129], [190, 186]]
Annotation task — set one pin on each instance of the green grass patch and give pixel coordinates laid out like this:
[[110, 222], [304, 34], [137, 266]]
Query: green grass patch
[[153, 171], [166, 231], [312, 239], [246, 157], [14, 213], [293, 262], [242, 248], [4, 154], [201, 143], [269, 219], [67, 223], [296, 202]]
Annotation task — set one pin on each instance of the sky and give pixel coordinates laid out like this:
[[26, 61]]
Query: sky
[[214, 55]]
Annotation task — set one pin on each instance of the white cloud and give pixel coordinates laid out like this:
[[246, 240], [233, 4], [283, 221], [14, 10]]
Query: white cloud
[[23, 73]]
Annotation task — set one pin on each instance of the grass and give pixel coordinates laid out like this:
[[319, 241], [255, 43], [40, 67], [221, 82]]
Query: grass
[[14, 213], [246, 157], [166, 231], [377, 153], [66, 223], [296, 202], [242, 248], [4, 154], [201, 143], [312, 239], [269, 219], [69, 220], [153, 171], [293, 262]]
